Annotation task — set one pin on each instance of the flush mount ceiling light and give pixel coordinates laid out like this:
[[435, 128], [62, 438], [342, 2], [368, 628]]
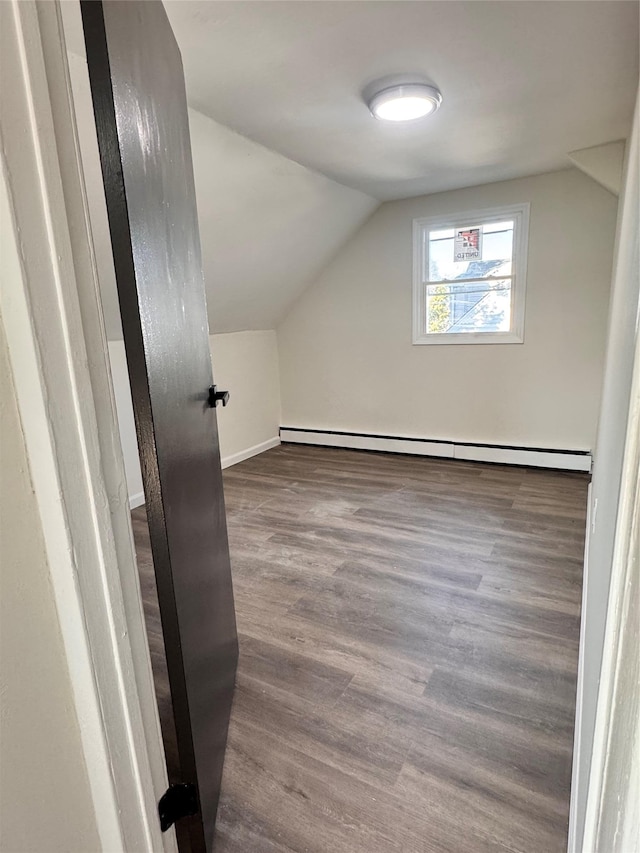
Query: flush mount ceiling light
[[406, 102]]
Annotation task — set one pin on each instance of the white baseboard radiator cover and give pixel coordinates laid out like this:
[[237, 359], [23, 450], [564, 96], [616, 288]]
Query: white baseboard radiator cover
[[535, 457]]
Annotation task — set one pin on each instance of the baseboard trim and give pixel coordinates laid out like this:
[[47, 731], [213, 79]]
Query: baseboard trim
[[228, 461], [565, 460], [136, 500]]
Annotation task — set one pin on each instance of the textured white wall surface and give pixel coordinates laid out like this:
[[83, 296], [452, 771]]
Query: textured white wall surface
[[346, 357], [44, 798]]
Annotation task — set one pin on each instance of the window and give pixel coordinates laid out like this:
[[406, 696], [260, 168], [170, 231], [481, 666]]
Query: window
[[469, 277]]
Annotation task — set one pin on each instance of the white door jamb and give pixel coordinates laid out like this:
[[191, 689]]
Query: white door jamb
[[52, 314]]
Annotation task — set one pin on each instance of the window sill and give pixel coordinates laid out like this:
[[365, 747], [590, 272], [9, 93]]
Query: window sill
[[469, 338]]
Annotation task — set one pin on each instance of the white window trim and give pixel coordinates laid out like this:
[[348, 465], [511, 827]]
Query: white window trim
[[519, 213]]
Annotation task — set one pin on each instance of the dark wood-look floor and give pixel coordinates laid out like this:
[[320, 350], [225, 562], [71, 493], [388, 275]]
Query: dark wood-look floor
[[408, 654]]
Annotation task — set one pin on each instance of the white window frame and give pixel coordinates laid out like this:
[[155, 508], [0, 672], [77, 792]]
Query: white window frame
[[519, 214]]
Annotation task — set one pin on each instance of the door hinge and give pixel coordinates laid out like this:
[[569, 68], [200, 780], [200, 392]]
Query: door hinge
[[179, 800]]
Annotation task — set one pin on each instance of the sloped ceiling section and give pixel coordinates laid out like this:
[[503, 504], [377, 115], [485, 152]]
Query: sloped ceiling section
[[267, 225]]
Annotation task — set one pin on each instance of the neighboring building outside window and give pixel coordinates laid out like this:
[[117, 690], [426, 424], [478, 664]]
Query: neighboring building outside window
[[470, 277]]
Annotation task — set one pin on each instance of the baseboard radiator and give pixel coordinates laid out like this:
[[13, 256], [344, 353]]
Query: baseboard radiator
[[536, 457]]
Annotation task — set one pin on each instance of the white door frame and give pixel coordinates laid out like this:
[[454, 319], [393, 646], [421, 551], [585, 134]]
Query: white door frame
[[50, 305], [612, 817], [612, 813], [609, 531]]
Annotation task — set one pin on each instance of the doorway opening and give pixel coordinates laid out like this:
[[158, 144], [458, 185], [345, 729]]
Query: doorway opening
[[408, 636]]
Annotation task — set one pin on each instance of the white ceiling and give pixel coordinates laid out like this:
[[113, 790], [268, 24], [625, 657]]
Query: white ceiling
[[515, 77], [523, 83]]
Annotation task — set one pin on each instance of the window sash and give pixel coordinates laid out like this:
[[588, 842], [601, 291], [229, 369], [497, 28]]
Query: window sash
[[509, 286], [448, 281], [427, 247]]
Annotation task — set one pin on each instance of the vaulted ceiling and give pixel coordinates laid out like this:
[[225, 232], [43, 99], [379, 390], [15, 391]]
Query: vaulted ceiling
[[523, 83], [268, 225], [287, 159]]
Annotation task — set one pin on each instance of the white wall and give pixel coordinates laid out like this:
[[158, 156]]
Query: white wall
[[44, 791], [246, 365], [346, 358]]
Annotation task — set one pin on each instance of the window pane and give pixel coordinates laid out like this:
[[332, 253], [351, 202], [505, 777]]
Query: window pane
[[441, 263], [497, 226], [441, 235], [474, 307], [490, 244], [498, 243]]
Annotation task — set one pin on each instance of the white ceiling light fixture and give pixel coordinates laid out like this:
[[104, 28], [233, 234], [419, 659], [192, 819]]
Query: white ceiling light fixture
[[406, 102]]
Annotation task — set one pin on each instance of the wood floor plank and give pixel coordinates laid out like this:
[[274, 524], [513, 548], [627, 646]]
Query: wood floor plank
[[373, 665], [343, 741], [275, 665], [408, 653], [327, 809]]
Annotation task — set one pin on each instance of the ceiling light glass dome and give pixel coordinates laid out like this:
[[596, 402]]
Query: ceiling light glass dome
[[405, 103]]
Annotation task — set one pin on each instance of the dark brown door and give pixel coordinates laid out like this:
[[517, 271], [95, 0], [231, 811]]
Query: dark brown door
[[140, 108]]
